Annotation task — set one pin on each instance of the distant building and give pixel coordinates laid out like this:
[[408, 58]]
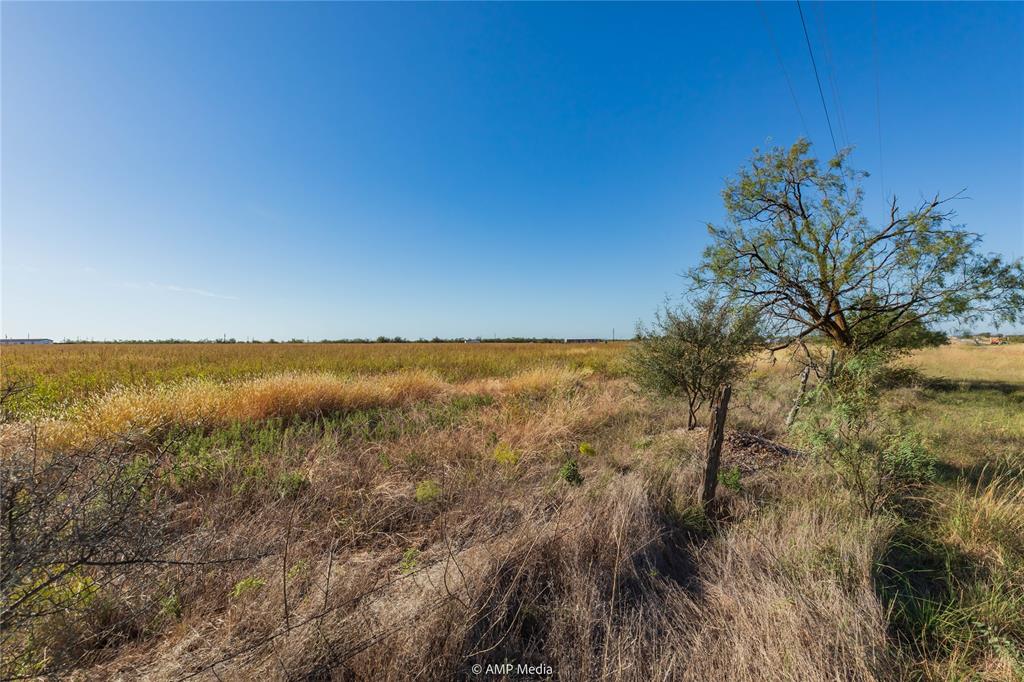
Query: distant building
[[23, 342]]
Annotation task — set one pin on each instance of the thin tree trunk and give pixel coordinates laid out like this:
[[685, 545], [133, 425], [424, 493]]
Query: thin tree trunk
[[831, 366], [716, 437]]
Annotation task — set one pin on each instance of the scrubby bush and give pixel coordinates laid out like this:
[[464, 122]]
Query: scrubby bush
[[847, 426], [691, 351]]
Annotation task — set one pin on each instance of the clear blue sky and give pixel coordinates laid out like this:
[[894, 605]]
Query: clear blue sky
[[280, 170]]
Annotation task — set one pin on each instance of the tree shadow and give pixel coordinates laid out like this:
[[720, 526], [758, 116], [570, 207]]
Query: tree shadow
[[976, 473], [916, 578], [947, 385]]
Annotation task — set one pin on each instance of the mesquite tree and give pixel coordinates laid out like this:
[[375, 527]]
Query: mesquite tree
[[796, 246]]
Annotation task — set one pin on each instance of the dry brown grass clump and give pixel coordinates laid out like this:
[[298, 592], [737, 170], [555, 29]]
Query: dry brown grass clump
[[791, 591], [596, 583]]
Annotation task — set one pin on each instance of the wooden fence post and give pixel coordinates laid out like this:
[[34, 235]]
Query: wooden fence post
[[716, 436], [791, 417]]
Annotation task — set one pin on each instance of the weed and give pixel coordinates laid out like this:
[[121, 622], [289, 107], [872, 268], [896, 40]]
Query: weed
[[170, 607], [505, 455], [427, 491], [290, 483], [410, 560], [644, 443], [414, 460], [730, 478], [587, 450], [299, 567], [247, 585], [570, 473]]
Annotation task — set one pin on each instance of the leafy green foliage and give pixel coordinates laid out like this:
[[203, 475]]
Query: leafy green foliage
[[410, 561], [570, 473], [797, 246], [730, 478], [868, 447]]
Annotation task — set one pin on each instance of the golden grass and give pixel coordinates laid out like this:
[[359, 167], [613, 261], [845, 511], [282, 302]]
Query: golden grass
[[969, 362], [199, 403], [60, 373]]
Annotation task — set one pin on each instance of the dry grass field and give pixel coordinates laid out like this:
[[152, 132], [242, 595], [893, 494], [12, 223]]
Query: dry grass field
[[60, 373], [409, 511]]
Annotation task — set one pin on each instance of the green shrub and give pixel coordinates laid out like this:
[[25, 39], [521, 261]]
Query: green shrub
[[693, 350], [868, 447], [570, 473]]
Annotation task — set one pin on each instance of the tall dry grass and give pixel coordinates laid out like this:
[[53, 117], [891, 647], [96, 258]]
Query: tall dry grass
[[967, 362], [598, 583], [61, 373], [202, 404]]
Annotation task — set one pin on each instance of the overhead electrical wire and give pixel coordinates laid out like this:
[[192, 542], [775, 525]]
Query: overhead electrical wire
[[817, 78]]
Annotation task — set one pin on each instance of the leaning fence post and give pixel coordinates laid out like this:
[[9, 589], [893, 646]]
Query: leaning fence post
[[791, 417], [716, 436]]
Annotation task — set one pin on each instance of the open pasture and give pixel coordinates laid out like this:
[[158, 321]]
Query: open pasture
[[61, 373]]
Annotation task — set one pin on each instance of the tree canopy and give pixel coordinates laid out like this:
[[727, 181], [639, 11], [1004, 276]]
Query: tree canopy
[[797, 247]]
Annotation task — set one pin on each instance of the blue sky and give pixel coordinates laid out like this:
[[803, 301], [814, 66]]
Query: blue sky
[[309, 170]]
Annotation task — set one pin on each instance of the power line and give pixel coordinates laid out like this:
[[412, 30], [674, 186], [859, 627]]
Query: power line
[[814, 65], [782, 65]]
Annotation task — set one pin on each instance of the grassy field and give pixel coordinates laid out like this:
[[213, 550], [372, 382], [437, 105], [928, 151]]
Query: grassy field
[[412, 510], [61, 373]]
